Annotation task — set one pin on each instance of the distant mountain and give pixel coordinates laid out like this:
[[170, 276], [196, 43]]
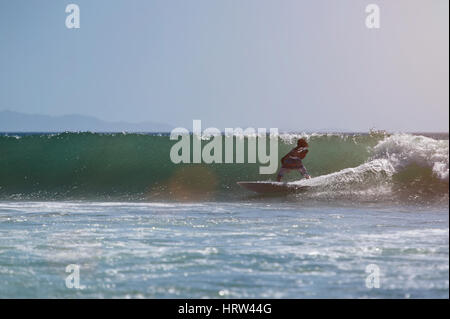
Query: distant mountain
[[19, 122]]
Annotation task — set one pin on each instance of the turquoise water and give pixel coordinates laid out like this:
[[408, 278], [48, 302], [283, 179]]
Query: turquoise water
[[247, 249], [117, 212], [137, 167]]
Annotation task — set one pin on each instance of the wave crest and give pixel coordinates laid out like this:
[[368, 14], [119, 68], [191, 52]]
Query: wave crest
[[403, 150]]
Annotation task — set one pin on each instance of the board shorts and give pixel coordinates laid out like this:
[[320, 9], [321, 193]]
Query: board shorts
[[292, 164]]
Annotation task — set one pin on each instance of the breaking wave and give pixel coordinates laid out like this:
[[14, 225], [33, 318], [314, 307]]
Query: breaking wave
[[94, 166], [400, 166]]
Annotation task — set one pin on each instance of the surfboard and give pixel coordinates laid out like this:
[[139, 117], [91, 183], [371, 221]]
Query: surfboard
[[271, 187]]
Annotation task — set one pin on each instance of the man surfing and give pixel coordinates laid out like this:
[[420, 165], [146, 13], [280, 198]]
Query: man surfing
[[293, 160]]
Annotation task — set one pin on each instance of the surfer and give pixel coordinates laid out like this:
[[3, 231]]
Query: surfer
[[293, 160]]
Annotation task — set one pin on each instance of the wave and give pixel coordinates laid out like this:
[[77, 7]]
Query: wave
[[400, 166], [94, 166]]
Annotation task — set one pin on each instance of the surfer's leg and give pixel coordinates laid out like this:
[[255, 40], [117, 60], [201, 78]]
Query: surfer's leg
[[304, 172], [281, 173]]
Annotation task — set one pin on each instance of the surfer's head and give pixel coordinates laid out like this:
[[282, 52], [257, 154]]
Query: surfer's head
[[302, 143]]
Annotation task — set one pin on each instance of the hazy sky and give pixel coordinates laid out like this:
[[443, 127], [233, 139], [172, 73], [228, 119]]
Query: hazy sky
[[289, 64]]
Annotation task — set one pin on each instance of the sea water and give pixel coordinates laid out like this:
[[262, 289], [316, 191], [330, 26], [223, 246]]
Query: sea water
[[103, 216], [222, 250]]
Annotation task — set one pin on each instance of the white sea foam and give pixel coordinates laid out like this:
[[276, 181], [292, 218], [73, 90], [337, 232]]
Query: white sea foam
[[390, 156], [402, 150]]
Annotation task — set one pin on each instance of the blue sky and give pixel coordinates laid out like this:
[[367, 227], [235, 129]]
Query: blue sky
[[291, 64]]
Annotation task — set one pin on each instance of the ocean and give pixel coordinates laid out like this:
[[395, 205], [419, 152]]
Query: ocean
[[103, 215]]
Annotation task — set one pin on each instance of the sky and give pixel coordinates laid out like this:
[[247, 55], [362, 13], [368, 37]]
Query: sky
[[289, 64]]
